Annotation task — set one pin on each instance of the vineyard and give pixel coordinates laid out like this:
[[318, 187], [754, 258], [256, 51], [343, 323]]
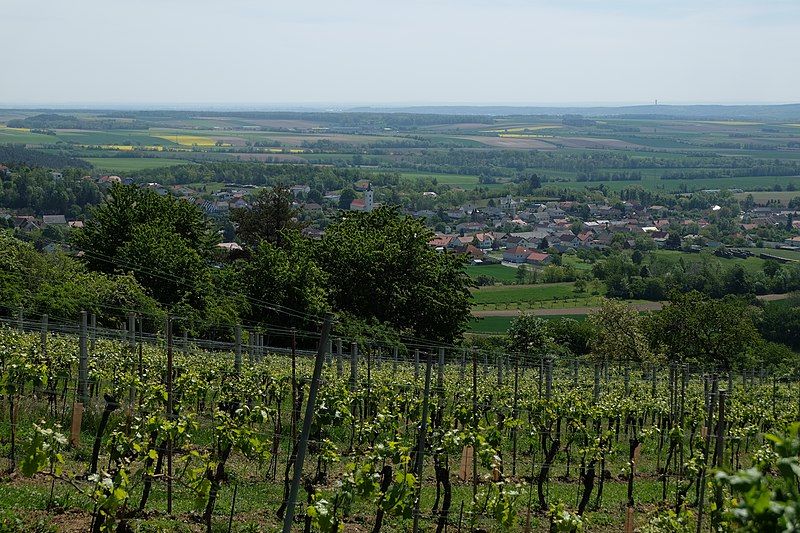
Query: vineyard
[[107, 429]]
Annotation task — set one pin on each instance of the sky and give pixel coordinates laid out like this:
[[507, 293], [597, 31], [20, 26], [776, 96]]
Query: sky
[[252, 53]]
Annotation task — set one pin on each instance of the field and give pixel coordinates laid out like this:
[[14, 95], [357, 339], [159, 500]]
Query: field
[[691, 144], [761, 198], [490, 324], [500, 272], [787, 254], [750, 264], [498, 325], [128, 164], [525, 295], [212, 446]]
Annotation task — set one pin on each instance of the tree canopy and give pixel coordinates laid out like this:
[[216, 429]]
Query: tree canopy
[[380, 265], [697, 329], [270, 215]]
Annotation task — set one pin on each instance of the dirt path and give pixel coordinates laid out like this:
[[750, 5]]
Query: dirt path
[[557, 311]]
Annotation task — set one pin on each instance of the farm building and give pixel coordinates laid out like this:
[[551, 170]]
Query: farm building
[[538, 258]]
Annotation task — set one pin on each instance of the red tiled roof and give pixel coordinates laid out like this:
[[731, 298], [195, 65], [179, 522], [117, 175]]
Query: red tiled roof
[[537, 256]]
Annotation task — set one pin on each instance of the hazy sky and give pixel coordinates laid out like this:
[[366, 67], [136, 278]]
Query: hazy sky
[[399, 51]]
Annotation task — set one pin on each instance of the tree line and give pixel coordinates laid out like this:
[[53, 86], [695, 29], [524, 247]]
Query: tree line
[[726, 333], [375, 270], [13, 155], [36, 191]]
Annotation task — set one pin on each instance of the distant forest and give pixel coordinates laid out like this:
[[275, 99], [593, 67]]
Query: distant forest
[[13, 155]]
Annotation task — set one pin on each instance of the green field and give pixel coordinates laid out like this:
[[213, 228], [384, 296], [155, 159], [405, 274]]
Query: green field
[[762, 197], [499, 272], [127, 164], [787, 254], [490, 324], [751, 264], [14, 136], [694, 145], [500, 324], [556, 293]]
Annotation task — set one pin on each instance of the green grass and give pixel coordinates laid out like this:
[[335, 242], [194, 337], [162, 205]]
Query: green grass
[[490, 324], [499, 324], [751, 264], [128, 164], [526, 293], [762, 197], [575, 262], [499, 272], [15, 136], [787, 254]]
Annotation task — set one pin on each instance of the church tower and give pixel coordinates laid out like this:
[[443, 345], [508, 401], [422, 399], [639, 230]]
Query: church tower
[[369, 199]]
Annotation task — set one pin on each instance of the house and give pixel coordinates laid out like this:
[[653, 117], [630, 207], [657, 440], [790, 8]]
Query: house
[[512, 241], [26, 223], [58, 176], [297, 190], [485, 240], [568, 240], [110, 180], [474, 254], [468, 227], [54, 220], [76, 224], [440, 241], [538, 258], [585, 238], [661, 223], [229, 247], [424, 213], [660, 238], [518, 254]]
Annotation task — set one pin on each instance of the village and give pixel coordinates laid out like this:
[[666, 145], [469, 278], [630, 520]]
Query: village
[[504, 229]]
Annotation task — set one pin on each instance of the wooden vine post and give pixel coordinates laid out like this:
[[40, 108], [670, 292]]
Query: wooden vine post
[[421, 437], [302, 445], [596, 391], [474, 421], [170, 415], [339, 357], [44, 335], [237, 350], [515, 415], [132, 344]]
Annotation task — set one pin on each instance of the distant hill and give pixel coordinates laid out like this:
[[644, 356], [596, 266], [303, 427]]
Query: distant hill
[[50, 121], [777, 112]]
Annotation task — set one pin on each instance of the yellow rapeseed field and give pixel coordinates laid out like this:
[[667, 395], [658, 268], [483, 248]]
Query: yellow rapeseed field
[[188, 140]]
